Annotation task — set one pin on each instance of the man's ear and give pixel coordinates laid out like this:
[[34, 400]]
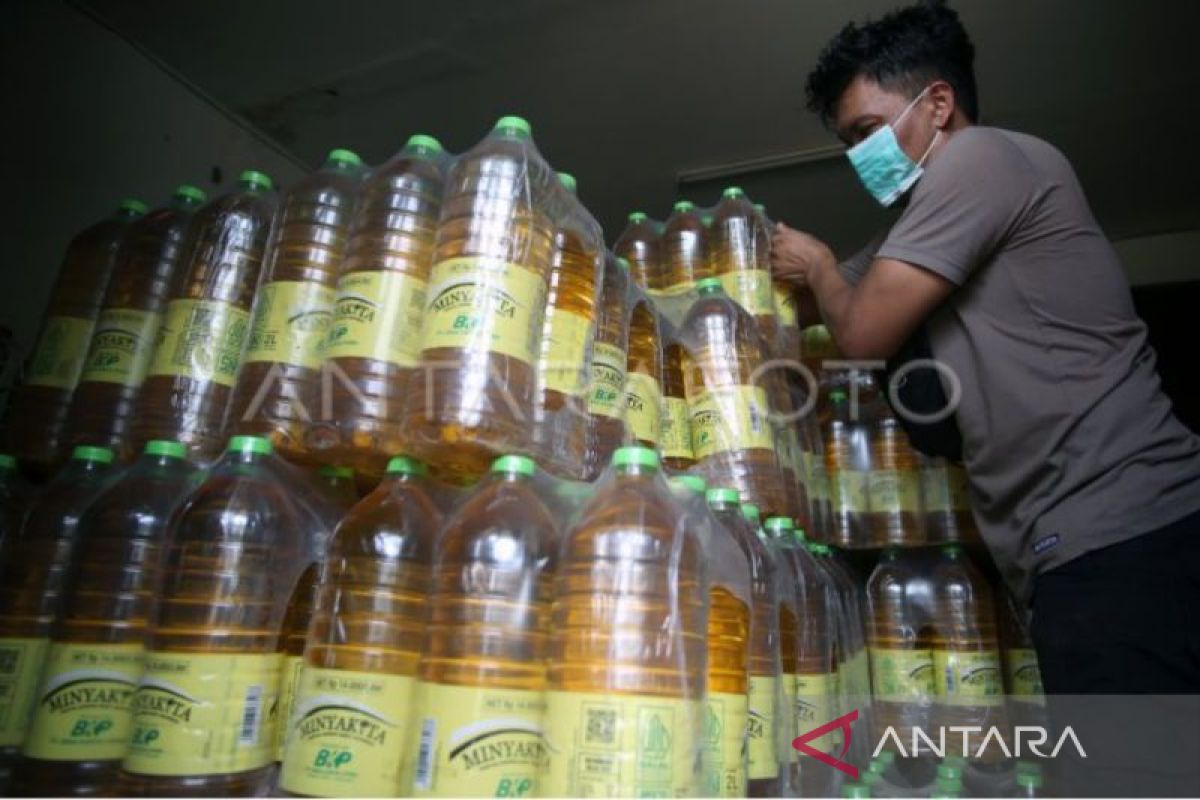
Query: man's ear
[[941, 94]]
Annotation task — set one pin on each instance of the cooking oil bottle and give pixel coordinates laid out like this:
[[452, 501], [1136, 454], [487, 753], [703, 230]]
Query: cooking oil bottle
[[372, 348], [627, 643], [185, 396], [1023, 677], [38, 409], [676, 421], [353, 707], [639, 244], [847, 464], [643, 377], [278, 391], [732, 436], [34, 566], [473, 398], [15, 494], [127, 328], [739, 249], [560, 407], [204, 713], [339, 485], [606, 393], [893, 485], [480, 698], [82, 718], [684, 251]]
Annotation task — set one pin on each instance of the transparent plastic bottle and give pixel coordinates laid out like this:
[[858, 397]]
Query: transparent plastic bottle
[[855, 683], [560, 407], [186, 394], [896, 514], [676, 420], [639, 244], [278, 391], [684, 251], [374, 342], [816, 347], [472, 399], [82, 720], [1029, 785], [732, 436], [483, 665], [643, 377], [364, 642], [38, 408], [15, 495], [1023, 677], [339, 485], [628, 643], [606, 393], [127, 328], [34, 567], [847, 463], [940, 523], [739, 249], [205, 711]]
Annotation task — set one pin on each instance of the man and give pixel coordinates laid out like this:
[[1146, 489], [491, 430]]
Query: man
[[1085, 485]]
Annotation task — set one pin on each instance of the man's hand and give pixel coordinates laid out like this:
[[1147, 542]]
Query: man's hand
[[796, 255]]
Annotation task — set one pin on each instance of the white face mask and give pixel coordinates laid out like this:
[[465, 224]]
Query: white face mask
[[883, 166]]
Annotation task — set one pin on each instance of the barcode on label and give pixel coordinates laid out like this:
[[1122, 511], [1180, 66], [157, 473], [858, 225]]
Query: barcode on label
[[251, 715], [423, 776]]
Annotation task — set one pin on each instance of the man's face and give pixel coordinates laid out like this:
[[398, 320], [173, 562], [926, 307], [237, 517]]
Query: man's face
[[866, 106]]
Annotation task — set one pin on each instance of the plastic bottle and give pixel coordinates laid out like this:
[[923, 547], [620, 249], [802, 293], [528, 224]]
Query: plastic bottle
[[186, 394], [339, 485], [893, 485], [855, 681], [278, 391], [628, 641], [1023, 677], [606, 393], [676, 420], [205, 712], [560, 407], [685, 246], [15, 495], [472, 399], [856, 790], [131, 312], [34, 566], [360, 660], [816, 347], [643, 377], [732, 435], [38, 408], [640, 245], [847, 463], [82, 719], [739, 249], [483, 665], [373, 346]]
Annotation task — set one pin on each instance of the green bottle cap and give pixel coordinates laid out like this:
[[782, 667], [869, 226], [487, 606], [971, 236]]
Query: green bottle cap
[[709, 286], [250, 444], [870, 778], [419, 141], [954, 761], [949, 771], [514, 126], [683, 206], [876, 767], [951, 550], [750, 512], [623, 263], [165, 448], [403, 465], [189, 192], [344, 157], [856, 790], [132, 206], [635, 456], [568, 182], [1029, 780], [837, 396], [330, 471], [719, 494], [693, 483], [255, 181], [7, 461], [799, 535], [760, 208], [88, 453], [637, 217], [885, 757], [1029, 766], [514, 465], [733, 191], [778, 524], [948, 787]]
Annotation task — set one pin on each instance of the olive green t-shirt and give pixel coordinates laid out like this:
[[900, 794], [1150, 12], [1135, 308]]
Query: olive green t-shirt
[[1068, 440]]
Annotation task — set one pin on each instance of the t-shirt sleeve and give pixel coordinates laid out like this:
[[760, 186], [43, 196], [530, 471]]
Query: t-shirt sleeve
[[968, 201], [855, 267]]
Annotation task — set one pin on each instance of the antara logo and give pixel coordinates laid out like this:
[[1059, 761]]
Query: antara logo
[[801, 743]]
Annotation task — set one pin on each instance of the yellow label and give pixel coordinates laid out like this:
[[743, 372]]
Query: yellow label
[[960, 493], [377, 316], [21, 663], [972, 679], [564, 352], [643, 401], [58, 358], [347, 734], [894, 491], [291, 321], [902, 675], [612, 745], [122, 346], [751, 289], [1024, 675], [725, 731], [477, 742], [201, 340], [83, 710], [730, 418], [816, 701], [785, 304], [204, 713], [762, 752], [848, 490], [935, 488], [608, 381], [482, 305], [289, 684], [676, 428]]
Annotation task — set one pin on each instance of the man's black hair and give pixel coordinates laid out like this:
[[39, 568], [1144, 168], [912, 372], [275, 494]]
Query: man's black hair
[[905, 51]]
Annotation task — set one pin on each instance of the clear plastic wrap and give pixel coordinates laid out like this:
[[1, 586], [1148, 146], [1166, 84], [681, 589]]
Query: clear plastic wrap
[[127, 328], [847, 443], [644, 374], [189, 382], [82, 721], [278, 391], [1022, 674], [740, 253], [641, 245], [610, 355], [676, 420], [37, 411]]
